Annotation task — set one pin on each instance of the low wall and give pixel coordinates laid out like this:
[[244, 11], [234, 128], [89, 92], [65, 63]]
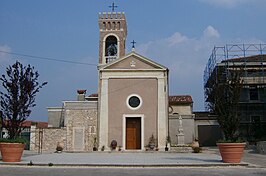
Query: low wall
[[188, 128], [261, 147], [46, 139]]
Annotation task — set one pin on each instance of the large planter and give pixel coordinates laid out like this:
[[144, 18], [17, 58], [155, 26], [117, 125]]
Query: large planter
[[11, 152], [231, 152]]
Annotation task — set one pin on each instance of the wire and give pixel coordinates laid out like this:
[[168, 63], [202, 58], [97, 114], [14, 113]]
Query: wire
[[47, 58], [73, 62]]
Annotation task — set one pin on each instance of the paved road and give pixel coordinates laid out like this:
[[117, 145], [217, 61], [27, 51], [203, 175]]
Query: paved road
[[254, 158], [81, 171], [250, 156]]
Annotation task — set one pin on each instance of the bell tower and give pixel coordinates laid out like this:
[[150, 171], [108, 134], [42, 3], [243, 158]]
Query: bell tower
[[113, 33]]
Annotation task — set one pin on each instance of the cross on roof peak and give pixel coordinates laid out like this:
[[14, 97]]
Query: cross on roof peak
[[113, 6], [133, 44]]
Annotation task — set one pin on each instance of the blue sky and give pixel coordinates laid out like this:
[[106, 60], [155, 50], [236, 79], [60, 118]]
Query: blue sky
[[179, 34]]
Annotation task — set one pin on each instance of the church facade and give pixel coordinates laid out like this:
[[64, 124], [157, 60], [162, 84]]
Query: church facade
[[131, 106]]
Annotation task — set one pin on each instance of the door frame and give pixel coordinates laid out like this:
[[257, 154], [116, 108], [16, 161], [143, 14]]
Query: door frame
[[124, 125]]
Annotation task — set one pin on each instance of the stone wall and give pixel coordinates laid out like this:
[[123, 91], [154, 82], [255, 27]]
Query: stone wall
[[261, 147], [46, 139], [81, 129]]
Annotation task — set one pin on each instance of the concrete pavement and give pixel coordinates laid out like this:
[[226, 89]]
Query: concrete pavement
[[209, 158]]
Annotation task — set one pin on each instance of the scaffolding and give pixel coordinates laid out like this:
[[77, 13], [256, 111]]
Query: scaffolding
[[251, 58], [231, 51]]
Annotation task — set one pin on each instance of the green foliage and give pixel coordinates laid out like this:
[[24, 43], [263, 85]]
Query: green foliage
[[30, 163], [21, 86], [152, 139], [223, 94], [59, 148], [197, 149], [230, 141], [16, 140], [168, 139]]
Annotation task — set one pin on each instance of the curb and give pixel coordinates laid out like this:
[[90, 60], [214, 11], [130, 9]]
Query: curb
[[128, 165]]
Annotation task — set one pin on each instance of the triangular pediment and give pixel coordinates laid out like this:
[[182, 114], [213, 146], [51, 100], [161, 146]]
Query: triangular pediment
[[133, 61]]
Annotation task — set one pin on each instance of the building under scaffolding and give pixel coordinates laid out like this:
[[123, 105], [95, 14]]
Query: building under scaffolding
[[251, 58]]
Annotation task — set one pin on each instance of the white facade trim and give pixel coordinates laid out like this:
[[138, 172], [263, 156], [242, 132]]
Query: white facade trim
[[103, 125], [155, 74], [162, 110], [127, 101]]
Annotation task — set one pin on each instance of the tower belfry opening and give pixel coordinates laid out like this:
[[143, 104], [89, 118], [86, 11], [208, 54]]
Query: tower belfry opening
[[113, 33], [110, 48]]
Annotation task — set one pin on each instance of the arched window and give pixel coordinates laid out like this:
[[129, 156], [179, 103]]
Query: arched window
[[104, 26], [114, 26], [118, 25], [111, 46]]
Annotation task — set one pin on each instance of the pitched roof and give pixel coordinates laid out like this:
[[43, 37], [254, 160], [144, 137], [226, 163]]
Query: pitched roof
[[93, 95], [29, 123], [180, 99], [150, 62], [254, 58]]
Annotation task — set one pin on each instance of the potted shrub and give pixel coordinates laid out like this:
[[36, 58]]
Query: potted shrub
[[95, 148], [113, 145], [21, 85], [223, 94], [167, 143], [59, 147], [195, 143], [152, 142]]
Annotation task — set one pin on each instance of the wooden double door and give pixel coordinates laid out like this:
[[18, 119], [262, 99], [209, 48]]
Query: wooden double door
[[133, 133]]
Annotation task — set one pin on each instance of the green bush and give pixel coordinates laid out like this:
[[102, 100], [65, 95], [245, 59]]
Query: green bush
[[197, 149], [17, 140], [230, 141]]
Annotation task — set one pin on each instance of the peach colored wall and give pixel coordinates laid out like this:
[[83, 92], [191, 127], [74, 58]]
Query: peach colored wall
[[119, 90]]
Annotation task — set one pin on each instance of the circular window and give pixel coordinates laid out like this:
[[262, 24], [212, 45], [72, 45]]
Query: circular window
[[134, 102]]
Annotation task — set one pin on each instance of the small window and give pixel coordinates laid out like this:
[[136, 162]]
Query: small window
[[253, 93], [255, 119], [104, 26], [134, 102]]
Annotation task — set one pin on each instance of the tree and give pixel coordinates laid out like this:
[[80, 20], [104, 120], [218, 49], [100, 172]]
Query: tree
[[21, 86], [223, 95]]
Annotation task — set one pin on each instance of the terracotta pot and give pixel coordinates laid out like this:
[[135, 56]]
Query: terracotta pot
[[81, 91], [195, 144], [231, 152], [11, 152]]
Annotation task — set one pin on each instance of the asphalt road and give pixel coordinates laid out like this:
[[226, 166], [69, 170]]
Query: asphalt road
[[81, 171]]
